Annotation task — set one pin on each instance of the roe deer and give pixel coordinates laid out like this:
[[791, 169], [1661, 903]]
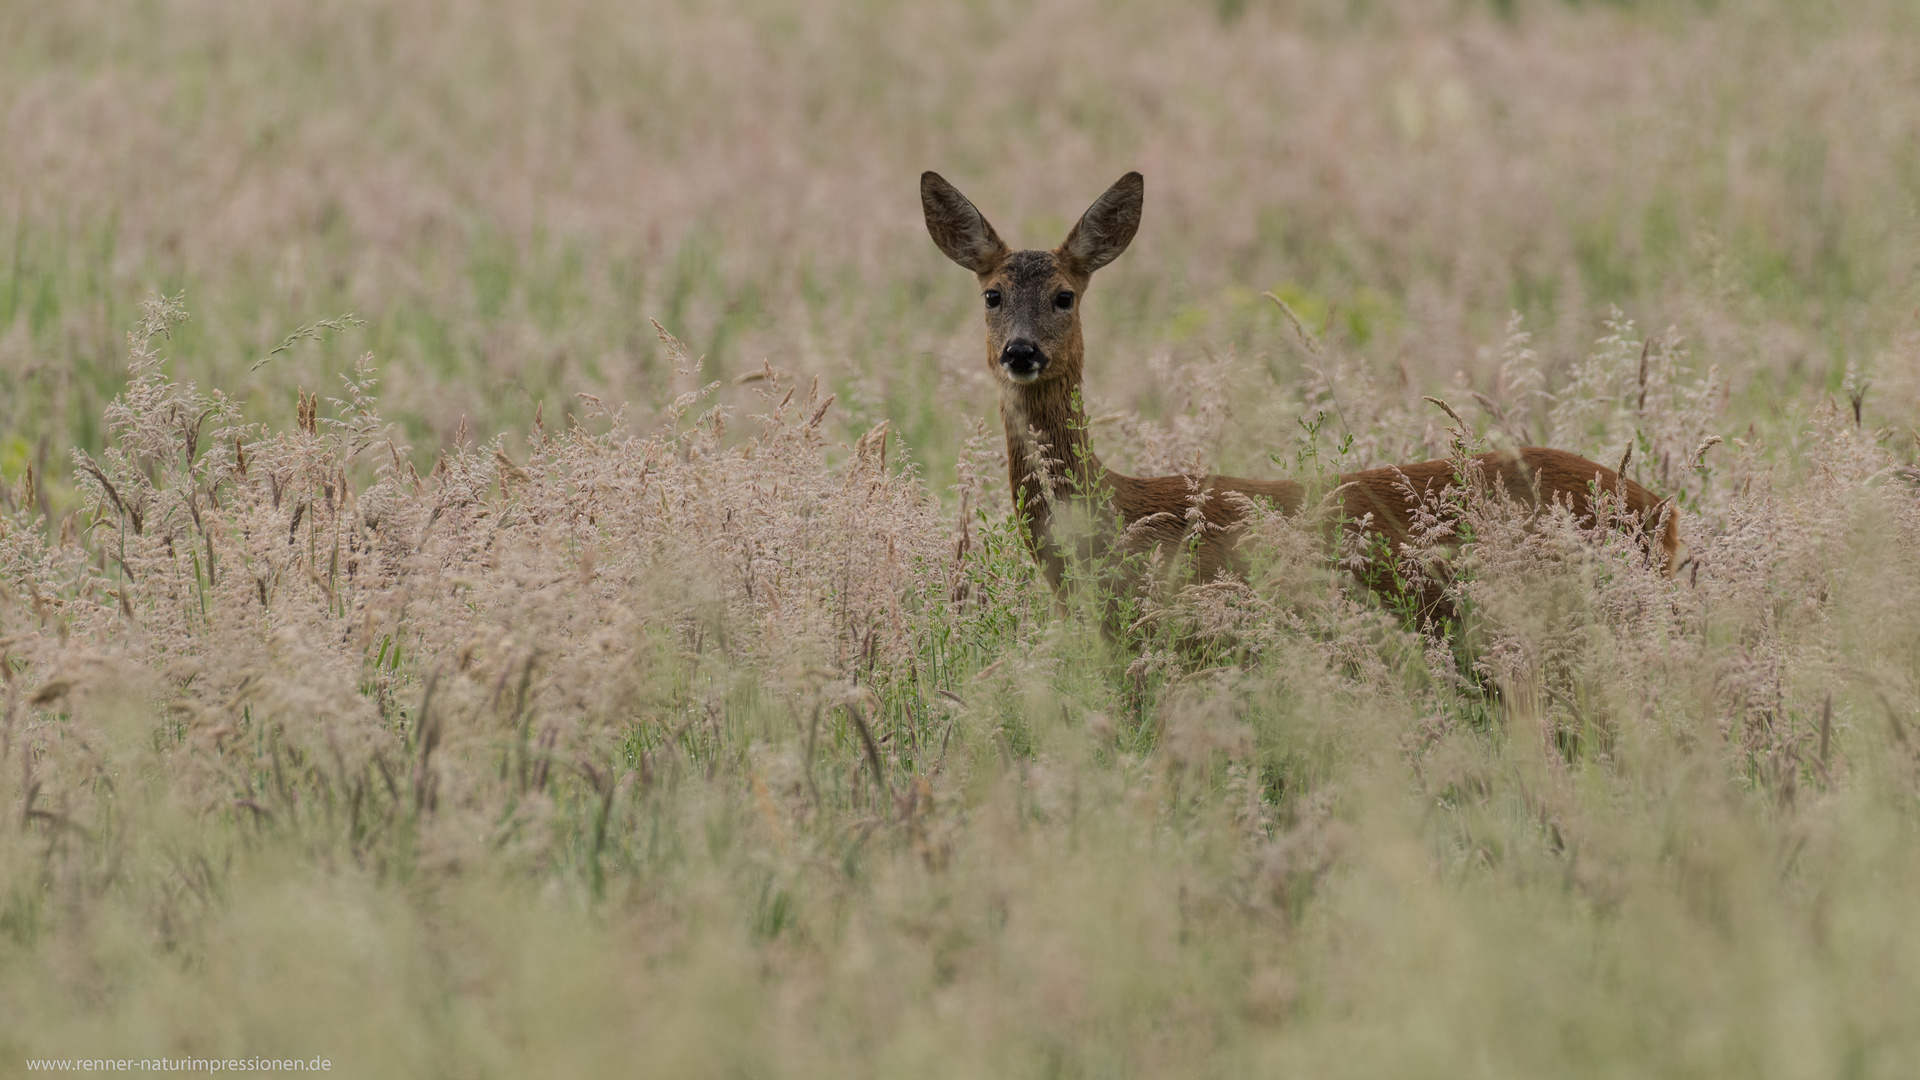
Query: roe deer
[[1036, 354]]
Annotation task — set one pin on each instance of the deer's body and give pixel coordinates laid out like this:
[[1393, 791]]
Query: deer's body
[[1036, 353]]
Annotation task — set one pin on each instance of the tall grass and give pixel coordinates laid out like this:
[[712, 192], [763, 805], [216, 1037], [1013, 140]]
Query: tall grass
[[440, 728]]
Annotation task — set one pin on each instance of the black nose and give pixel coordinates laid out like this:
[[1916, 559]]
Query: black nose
[[1022, 359]]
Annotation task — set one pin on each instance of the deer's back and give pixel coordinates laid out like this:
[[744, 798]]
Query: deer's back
[[1157, 508], [1530, 476]]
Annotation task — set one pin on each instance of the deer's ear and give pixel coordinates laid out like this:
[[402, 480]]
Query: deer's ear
[[958, 227], [1107, 227]]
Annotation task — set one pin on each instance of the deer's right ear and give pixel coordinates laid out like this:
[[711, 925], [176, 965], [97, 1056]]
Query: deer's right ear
[[958, 227]]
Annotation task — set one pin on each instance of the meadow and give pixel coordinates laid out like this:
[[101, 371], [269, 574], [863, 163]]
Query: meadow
[[506, 565]]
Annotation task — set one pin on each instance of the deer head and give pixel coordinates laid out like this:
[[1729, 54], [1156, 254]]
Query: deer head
[[1032, 298]]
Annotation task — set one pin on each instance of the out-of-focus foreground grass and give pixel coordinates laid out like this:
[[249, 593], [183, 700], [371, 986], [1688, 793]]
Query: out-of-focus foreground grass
[[459, 724]]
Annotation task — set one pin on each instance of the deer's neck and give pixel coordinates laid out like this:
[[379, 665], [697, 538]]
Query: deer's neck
[[1047, 441], [1049, 459]]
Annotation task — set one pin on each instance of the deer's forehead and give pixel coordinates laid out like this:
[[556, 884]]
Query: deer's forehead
[[1029, 270]]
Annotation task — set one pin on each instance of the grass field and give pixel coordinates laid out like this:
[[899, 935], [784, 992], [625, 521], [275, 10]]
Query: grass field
[[491, 685]]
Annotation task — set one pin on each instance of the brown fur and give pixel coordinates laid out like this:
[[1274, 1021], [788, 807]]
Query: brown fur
[[1046, 428]]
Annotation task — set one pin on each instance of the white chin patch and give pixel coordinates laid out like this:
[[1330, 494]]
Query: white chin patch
[[1023, 377]]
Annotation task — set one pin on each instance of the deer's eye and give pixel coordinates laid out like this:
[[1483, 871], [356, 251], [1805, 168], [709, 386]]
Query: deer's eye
[[993, 297], [1063, 301]]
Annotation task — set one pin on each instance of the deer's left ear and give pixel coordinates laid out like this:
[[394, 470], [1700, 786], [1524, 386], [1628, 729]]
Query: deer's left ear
[[1107, 227]]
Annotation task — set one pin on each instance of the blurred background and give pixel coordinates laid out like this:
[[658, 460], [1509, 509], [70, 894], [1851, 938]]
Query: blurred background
[[508, 192]]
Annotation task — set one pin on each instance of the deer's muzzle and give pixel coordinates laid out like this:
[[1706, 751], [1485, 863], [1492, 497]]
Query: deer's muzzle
[[1022, 361]]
